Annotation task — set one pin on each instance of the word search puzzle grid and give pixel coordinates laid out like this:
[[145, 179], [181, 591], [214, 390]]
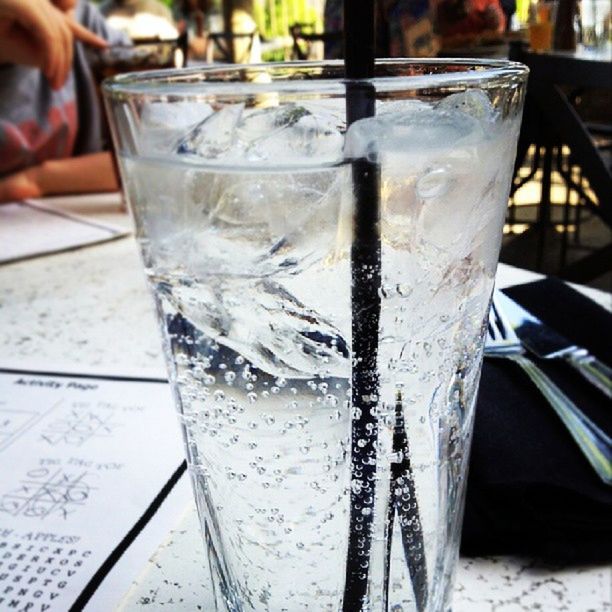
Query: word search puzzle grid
[[81, 461]]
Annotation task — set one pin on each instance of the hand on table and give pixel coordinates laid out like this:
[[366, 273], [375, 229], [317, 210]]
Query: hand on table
[[20, 186], [85, 174], [40, 33]]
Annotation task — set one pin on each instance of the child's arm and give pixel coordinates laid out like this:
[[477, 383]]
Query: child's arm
[[85, 174]]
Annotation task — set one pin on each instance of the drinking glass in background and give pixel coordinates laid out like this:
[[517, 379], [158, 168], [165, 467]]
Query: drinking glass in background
[[595, 23], [241, 182], [143, 54], [540, 25]]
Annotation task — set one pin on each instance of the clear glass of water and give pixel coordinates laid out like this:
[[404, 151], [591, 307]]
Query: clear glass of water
[[242, 184]]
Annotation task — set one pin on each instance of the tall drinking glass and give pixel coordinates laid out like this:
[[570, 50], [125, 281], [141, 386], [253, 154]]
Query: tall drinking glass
[[243, 185]]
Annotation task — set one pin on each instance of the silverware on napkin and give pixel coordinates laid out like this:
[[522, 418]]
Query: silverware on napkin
[[595, 444], [546, 343]]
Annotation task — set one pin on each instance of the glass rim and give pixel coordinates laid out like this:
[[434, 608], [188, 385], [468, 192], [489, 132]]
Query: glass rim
[[318, 77]]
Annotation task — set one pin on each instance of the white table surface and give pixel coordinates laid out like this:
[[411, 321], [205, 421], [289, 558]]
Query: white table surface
[[89, 309]]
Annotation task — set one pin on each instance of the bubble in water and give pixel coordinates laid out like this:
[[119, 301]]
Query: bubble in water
[[331, 400], [356, 486], [396, 457]]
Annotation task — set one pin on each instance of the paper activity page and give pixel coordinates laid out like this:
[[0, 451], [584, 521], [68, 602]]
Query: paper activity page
[[83, 459]]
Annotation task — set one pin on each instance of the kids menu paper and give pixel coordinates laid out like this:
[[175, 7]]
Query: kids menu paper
[[85, 462]]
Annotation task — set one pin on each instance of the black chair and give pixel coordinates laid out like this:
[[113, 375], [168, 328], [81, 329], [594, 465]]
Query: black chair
[[561, 142], [221, 46], [304, 39]]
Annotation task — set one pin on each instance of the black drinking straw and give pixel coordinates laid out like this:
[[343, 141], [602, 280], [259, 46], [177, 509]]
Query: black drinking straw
[[365, 304], [359, 45], [404, 503]]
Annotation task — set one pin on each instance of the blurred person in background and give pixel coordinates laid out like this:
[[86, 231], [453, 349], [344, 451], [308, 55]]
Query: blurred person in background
[[404, 28], [140, 19], [50, 118], [465, 22]]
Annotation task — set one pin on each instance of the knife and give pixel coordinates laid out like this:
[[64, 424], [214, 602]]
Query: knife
[[546, 343]]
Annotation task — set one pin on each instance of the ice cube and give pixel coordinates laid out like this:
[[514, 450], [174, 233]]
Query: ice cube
[[261, 122], [279, 218], [333, 110], [213, 137], [290, 134], [415, 130], [439, 173], [466, 220], [163, 123], [282, 135], [422, 153], [266, 324], [174, 115], [473, 102]]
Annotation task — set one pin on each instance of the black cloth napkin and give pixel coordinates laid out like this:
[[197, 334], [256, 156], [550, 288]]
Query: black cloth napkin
[[530, 490]]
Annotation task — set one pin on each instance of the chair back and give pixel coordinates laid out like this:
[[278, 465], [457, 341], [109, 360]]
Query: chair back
[[308, 45], [230, 47]]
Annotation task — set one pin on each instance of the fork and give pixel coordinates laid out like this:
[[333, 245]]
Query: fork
[[595, 444]]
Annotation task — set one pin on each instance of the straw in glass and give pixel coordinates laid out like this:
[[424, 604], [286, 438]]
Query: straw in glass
[[365, 306], [404, 503], [359, 42]]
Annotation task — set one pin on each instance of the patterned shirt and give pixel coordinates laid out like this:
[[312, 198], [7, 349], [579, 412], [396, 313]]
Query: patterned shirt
[[38, 123]]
